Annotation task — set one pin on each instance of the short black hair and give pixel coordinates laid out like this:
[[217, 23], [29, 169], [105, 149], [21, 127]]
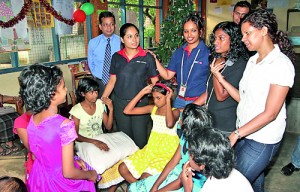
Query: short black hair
[[12, 184], [38, 84], [85, 85], [211, 148], [242, 4], [106, 14], [195, 116]]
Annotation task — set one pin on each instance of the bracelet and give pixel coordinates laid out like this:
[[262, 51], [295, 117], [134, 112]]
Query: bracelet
[[237, 133]]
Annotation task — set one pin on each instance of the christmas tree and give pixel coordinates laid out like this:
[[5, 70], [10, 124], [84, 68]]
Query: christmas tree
[[171, 29]]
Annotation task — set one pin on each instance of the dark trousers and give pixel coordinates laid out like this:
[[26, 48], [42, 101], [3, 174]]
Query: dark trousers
[[101, 87], [135, 126]]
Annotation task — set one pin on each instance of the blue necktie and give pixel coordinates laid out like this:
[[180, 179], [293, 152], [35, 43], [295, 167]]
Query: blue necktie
[[106, 66]]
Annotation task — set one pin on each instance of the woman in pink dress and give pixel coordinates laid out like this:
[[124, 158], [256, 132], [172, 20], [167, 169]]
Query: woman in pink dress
[[51, 136]]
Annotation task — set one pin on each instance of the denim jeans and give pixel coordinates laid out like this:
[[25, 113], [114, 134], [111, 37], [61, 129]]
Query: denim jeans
[[296, 154], [181, 103], [252, 159]]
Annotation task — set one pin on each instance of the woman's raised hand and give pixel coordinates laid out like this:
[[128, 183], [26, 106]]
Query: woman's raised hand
[[216, 66]]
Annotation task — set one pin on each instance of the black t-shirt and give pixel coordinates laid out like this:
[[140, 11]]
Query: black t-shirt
[[132, 75], [224, 113]]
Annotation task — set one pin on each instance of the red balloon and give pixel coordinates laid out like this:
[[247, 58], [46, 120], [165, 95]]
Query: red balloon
[[79, 16]]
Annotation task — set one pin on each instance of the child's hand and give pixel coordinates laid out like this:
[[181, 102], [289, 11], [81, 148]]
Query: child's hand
[[81, 164], [147, 89], [186, 177], [170, 93], [101, 145], [107, 101], [93, 176]]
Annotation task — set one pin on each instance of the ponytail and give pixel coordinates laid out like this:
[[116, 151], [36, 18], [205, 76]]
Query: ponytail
[[285, 45]]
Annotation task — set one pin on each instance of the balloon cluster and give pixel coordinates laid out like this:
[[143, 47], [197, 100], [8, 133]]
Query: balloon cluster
[[80, 14]]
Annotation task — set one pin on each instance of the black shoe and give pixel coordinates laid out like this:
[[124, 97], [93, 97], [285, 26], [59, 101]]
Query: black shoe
[[289, 169]]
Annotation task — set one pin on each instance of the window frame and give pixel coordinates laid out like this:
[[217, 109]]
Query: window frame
[[15, 67], [141, 5]]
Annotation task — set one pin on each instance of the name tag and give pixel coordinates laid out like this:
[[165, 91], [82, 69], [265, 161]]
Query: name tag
[[182, 90]]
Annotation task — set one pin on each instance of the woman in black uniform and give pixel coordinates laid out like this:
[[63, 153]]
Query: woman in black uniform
[[130, 68]]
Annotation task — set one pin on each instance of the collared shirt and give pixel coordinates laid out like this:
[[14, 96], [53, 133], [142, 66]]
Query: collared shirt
[[276, 68], [196, 84], [132, 74], [96, 52]]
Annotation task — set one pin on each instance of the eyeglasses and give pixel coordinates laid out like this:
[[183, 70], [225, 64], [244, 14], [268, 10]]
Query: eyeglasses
[[108, 24]]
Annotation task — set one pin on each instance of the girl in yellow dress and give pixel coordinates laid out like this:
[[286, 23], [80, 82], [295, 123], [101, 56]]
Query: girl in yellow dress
[[163, 140]]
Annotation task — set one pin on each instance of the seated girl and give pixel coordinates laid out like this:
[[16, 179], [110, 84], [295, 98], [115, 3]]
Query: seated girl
[[99, 150], [163, 139], [89, 113], [193, 116]]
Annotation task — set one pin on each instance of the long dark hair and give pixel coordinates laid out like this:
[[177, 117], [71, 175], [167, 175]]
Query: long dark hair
[[237, 48], [262, 18]]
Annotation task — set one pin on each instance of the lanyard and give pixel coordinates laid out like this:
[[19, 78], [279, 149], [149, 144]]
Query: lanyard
[[181, 69], [212, 89]]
